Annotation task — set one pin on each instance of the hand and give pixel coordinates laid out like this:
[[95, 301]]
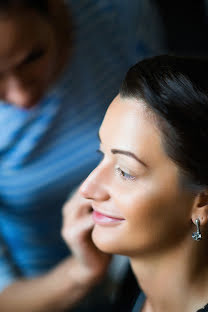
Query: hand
[[91, 263]]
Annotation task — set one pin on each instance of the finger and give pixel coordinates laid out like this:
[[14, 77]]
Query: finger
[[76, 206], [72, 218], [74, 232]]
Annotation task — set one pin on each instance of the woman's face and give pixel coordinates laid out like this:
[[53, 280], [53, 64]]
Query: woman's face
[[139, 205], [27, 57]]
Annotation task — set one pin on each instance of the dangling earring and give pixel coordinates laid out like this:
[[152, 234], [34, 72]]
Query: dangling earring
[[197, 235]]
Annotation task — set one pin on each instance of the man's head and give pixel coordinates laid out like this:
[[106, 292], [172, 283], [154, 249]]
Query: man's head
[[28, 51]]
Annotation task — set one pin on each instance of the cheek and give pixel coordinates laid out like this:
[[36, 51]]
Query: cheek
[[151, 210], [43, 70], [40, 73], [156, 217], [139, 199], [46, 66]]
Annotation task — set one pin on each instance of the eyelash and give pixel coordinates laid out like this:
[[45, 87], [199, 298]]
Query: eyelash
[[124, 175], [34, 56]]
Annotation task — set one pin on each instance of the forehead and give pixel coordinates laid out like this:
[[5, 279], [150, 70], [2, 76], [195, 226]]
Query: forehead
[[19, 31], [129, 125]]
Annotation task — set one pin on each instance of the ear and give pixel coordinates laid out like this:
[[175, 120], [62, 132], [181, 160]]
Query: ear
[[200, 208]]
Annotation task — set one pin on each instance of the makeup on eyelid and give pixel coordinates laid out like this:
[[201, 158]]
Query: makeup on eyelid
[[125, 173]]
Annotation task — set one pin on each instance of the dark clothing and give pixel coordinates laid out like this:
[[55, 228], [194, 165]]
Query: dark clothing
[[139, 303], [205, 309], [141, 299], [127, 293]]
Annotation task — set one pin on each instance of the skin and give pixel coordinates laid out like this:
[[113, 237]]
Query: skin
[[31, 58], [141, 210]]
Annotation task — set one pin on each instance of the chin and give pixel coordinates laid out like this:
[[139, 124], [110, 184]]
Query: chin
[[106, 241], [112, 241]]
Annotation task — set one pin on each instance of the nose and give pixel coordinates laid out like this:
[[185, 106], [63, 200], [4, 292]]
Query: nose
[[17, 92], [95, 187]]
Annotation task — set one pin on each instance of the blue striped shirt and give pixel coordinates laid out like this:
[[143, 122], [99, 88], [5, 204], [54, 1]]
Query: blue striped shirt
[[47, 151]]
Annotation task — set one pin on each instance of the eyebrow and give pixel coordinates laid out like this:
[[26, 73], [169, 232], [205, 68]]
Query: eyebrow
[[129, 154]]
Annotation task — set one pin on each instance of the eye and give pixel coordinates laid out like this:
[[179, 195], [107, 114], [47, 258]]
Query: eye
[[124, 174], [33, 56]]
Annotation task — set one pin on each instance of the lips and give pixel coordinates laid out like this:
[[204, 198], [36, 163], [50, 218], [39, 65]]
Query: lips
[[104, 219]]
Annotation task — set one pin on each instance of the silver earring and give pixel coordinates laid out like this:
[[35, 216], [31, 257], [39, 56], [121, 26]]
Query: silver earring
[[197, 235]]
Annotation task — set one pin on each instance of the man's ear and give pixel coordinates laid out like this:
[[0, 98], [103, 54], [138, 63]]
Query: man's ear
[[200, 208]]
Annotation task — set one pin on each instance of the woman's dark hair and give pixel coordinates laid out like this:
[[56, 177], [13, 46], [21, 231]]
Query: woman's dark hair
[[39, 5], [176, 90]]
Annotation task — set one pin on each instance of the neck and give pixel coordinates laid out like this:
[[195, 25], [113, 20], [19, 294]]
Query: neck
[[174, 280]]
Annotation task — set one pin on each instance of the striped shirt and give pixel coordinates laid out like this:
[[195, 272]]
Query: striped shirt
[[47, 151]]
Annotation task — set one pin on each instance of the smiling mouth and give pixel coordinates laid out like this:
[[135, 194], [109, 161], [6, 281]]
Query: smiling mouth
[[102, 219]]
